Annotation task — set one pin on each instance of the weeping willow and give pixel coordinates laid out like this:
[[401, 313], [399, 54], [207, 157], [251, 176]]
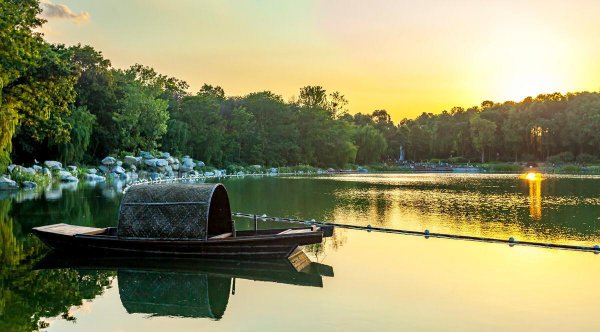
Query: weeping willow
[[81, 122], [8, 124]]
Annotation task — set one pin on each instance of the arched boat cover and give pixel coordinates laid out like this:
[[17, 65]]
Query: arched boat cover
[[177, 211]]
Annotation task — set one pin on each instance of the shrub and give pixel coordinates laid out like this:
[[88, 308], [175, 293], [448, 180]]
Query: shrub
[[586, 158], [233, 169], [562, 157], [502, 168], [457, 160], [570, 169], [19, 177], [124, 153], [206, 169], [437, 161], [592, 170]]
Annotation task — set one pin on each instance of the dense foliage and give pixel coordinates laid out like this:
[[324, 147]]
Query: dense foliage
[[71, 104], [534, 129]]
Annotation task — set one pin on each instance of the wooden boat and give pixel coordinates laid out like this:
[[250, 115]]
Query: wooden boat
[[190, 220]]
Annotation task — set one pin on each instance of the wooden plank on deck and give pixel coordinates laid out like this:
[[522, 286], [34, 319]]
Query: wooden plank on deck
[[71, 230], [295, 231]]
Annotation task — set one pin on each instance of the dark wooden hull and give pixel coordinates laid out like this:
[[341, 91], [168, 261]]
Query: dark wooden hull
[[247, 245]]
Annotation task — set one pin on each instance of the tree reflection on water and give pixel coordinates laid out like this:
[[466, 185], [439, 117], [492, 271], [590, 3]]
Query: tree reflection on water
[[27, 296]]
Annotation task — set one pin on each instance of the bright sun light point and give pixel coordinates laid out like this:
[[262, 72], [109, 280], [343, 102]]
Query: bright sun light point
[[531, 176]]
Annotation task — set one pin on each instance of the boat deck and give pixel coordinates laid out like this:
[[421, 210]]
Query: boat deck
[[70, 230]]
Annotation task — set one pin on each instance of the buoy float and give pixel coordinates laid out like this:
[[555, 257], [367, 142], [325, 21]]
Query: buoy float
[[511, 240], [426, 232], [368, 228]]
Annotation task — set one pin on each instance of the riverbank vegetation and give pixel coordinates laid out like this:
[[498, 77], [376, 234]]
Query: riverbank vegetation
[[70, 104]]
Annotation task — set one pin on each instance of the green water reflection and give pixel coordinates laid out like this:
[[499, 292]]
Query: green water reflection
[[559, 209]]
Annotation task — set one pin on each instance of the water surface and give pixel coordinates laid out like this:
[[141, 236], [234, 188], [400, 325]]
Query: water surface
[[363, 281]]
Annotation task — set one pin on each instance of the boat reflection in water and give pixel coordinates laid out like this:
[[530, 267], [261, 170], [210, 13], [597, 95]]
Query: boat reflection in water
[[193, 288]]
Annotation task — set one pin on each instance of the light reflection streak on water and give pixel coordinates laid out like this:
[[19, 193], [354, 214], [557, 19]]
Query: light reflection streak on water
[[535, 199], [459, 204]]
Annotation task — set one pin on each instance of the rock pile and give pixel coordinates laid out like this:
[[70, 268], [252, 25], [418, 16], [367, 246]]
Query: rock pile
[[147, 165]]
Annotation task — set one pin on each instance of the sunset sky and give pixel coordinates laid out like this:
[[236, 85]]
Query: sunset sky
[[406, 57]]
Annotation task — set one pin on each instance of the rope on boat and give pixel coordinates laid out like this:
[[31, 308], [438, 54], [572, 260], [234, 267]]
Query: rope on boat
[[427, 234]]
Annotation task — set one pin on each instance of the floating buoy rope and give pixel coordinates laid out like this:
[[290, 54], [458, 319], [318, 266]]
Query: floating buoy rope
[[511, 241]]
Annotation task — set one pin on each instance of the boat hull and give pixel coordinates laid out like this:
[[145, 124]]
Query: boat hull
[[250, 246]]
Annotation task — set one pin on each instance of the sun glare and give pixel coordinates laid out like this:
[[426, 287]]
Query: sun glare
[[531, 176], [531, 84]]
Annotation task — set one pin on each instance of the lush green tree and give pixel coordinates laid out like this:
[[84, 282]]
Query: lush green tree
[[215, 92], [177, 138], [513, 132], [206, 136], [370, 143], [239, 134], [36, 80], [81, 122], [317, 98], [161, 86], [140, 118], [276, 133], [483, 134], [20, 50], [96, 90]]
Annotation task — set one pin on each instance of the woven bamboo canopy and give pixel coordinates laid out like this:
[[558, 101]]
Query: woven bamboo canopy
[[178, 211]]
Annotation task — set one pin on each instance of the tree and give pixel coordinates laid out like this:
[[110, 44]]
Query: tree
[[177, 138], [512, 133], [239, 131], [81, 122], [36, 79], [215, 92], [96, 90], [141, 118], [316, 97], [276, 137], [482, 131], [371, 144], [206, 136], [160, 86]]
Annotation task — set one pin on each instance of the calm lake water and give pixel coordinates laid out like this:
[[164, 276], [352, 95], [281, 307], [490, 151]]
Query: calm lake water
[[361, 281]]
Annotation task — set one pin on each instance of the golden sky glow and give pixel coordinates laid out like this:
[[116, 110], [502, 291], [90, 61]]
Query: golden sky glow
[[406, 57]]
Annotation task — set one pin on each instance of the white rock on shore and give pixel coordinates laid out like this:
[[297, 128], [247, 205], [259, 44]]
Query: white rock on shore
[[67, 177], [131, 160], [7, 184], [52, 164], [118, 170], [108, 161]]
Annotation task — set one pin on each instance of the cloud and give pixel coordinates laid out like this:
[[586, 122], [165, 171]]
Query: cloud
[[58, 11]]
